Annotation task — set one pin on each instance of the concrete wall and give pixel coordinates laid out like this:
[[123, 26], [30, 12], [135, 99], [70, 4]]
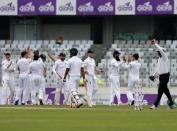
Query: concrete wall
[[67, 31], [133, 24]]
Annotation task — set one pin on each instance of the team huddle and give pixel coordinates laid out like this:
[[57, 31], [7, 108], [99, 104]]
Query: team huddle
[[32, 70]]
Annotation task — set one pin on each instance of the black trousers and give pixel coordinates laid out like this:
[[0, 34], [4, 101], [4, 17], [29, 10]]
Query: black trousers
[[164, 79]]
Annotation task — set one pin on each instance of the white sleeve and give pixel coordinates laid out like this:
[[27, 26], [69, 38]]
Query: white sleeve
[[68, 65], [54, 68], [140, 65], [122, 64], [116, 64], [156, 72], [13, 66], [164, 56], [29, 60], [127, 65], [44, 65], [85, 63], [4, 65]]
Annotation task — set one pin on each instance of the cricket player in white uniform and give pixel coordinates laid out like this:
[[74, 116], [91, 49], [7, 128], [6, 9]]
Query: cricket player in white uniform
[[89, 69], [74, 70], [8, 87], [36, 69], [42, 96], [164, 75], [133, 76], [42, 59], [23, 92], [114, 76], [59, 70]]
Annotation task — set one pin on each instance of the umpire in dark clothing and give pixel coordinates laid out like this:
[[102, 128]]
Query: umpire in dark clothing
[[164, 75]]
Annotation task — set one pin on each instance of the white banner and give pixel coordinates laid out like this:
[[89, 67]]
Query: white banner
[[175, 6], [8, 7], [66, 7], [125, 7]]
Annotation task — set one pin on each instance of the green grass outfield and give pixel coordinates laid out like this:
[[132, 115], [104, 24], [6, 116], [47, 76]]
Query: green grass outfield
[[99, 118]]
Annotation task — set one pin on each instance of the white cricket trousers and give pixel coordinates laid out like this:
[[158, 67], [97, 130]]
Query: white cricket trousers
[[131, 87], [91, 86], [73, 83], [42, 95], [36, 86], [61, 87], [115, 88], [23, 92], [7, 90]]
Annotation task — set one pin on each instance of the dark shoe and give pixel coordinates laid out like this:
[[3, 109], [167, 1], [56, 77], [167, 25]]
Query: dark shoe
[[16, 102], [41, 103], [79, 105], [132, 103], [153, 107], [172, 106]]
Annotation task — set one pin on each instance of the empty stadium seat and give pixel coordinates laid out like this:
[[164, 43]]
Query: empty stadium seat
[[18, 45], [148, 57]]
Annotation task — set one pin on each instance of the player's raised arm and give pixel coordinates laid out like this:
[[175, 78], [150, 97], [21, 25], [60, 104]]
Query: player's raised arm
[[52, 57], [160, 49], [7, 65], [30, 53], [54, 71], [127, 62]]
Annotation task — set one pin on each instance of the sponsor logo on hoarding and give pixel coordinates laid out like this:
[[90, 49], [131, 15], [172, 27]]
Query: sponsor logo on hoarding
[[145, 7], [8, 7], [175, 6], [126, 7], [88, 7], [48, 7], [66, 7], [29, 7], [164, 7], [107, 7]]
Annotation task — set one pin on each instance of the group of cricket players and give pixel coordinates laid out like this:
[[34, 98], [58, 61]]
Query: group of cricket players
[[32, 70]]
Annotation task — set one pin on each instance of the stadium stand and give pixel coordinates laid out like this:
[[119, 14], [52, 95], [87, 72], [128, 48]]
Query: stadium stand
[[16, 46], [148, 59], [144, 48]]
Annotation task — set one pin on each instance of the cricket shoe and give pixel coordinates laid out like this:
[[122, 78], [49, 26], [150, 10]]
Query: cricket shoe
[[112, 104], [87, 101], [78, 106], [16, 102], [172, 106], [93, 103], [120, 103], [153, 107], [133, 102], [79, 103], [73, 105], [41, 102]]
